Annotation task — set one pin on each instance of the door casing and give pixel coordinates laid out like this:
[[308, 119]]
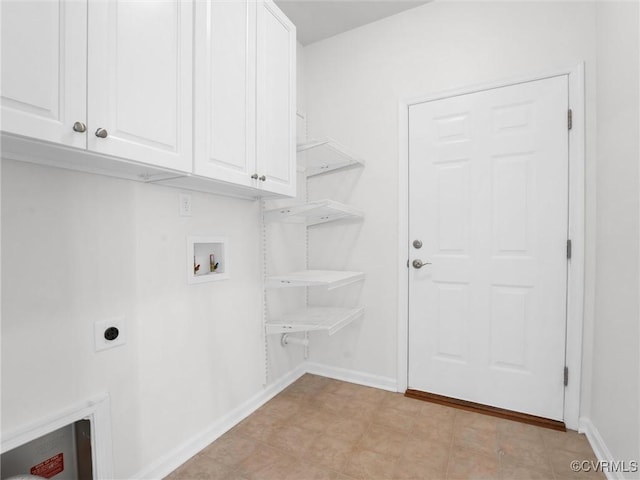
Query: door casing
[[575, 278]]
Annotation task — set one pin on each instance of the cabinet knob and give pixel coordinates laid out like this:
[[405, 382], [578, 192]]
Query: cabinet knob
[[79, 127], [262, 178], [254, 176], [101, 133]]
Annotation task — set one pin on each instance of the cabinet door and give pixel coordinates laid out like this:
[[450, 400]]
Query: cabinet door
[[276, 104], [225, 90], [140, 81], [44, 46]]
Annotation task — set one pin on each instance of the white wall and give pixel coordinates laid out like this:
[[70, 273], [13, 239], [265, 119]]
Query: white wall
[[354, 83], [615, 402], [79, 248]]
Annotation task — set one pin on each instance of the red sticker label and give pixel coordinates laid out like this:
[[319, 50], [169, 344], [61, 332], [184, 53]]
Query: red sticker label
[[50, 467]]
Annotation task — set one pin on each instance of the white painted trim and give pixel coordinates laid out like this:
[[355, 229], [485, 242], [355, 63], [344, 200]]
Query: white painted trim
[[599, 447], [97, 410], [577, 234], [183, 452], [403, 248], [414, 100], [351, 376], [638, 19], [575, 292]]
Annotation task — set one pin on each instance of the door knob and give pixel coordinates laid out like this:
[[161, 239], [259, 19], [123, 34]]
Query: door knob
[[417, 263], [254, 176], [417, 244], [262, 178], [79, 127], [101, 133]]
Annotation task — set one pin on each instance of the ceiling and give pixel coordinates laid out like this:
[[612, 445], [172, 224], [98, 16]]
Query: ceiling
[[316, 20]]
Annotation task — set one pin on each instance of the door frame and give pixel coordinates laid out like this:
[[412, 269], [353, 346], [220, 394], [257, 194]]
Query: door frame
[[576, 228]]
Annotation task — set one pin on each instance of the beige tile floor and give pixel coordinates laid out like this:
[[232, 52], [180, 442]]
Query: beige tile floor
[[320, 428]]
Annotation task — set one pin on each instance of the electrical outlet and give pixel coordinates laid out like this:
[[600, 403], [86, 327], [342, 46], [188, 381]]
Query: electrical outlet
[[109, 333], [185, 205]]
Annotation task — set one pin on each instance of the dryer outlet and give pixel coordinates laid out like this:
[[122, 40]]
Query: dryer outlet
[[109, 333]]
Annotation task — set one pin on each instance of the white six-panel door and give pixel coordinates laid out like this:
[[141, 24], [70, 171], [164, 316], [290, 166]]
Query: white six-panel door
[[489, 201], [140, 80], [44, 54]]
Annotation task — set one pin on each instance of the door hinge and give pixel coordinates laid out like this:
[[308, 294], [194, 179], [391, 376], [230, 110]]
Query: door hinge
[[569, 248], [570, 119], [566, 376]]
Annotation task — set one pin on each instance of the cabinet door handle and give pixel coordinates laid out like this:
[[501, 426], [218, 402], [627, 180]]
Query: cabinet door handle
[[101, 133], [79, 127], [254, 176], [262, 178]]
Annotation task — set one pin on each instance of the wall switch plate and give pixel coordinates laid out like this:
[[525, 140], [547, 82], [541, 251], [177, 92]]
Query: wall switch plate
[[185, 205], [109, 333]]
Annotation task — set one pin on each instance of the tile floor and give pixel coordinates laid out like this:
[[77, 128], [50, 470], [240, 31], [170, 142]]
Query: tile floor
[[320, 428]]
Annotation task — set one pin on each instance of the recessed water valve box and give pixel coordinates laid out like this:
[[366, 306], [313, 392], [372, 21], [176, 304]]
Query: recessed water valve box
[[207, 259]]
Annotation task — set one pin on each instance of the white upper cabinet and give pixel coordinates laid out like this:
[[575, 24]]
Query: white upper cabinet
[[140, 81], [113, 77], [245, 95], [44, 52], [224, 106], [276, 100], [196, 94]]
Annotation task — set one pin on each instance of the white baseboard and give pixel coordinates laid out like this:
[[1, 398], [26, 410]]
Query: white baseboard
[[352, 376], [599, 447], [179, 455]]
